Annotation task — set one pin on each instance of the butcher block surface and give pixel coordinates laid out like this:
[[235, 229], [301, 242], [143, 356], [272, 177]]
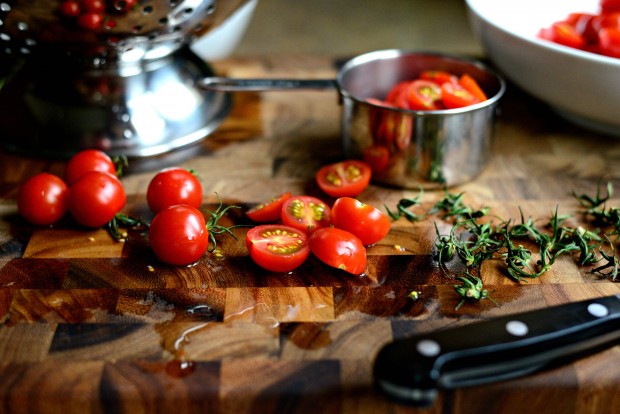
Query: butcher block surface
[[91, 325]]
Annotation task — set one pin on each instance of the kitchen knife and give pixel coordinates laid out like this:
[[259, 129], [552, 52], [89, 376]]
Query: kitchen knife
[[412, 370]]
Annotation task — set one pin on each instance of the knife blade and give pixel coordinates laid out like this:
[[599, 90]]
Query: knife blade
[[412, 370]]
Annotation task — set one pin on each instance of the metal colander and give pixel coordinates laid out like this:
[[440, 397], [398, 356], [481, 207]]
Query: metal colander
[[123, 84]]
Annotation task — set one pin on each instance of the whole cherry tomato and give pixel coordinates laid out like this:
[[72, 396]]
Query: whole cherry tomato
[[269, 211], [86, 161], [305, 213], [43, 199], [95, 6], [96, 198], [366, 222], [178, 235], [70, 8], [338, 248], [173, 186], [344, 179], [90, 20], [277, 247]]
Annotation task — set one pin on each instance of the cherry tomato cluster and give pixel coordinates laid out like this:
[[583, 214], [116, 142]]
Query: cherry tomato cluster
[[90, 191], [596, 33], [296, 226], [93, 14]]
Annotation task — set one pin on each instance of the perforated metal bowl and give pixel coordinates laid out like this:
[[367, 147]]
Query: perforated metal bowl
[[125, 85]]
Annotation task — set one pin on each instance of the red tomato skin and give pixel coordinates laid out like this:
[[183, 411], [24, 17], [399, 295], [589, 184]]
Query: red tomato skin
[[178, 235], [344, 179], [305, 213], [86, 161], [364, 221], [609, 42], [269, 211], [90, 20], [43, 199], [96, 198], [340, 249], [173, 186], [263, 242]]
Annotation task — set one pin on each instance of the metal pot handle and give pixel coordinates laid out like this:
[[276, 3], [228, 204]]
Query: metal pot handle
[[247, 85]]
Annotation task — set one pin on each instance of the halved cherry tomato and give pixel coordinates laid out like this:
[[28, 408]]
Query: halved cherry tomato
[[86, 161], [173, 186], [397, 96], [609, 6], [339, 248], [346, 178], [269, 211], [96, 198], [305, 213], [366, 222], [469, 83], [438, 76], [423, 95], [609, 42], [43, 199], [178, 235], [455, 96], [563, 33], [277, 247]]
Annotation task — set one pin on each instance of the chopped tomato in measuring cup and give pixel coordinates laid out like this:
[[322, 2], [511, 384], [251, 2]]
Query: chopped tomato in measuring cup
[[427, 92]]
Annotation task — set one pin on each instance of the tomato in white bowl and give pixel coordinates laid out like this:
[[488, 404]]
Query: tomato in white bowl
[[579, 85]]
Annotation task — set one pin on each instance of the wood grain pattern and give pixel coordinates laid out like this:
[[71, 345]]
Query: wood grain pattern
[[90, 325]]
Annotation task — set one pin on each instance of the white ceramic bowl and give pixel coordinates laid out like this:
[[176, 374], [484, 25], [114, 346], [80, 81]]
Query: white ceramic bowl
[[581, 86]]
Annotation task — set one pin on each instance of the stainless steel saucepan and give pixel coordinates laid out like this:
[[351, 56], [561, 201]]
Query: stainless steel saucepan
[[423, 149]]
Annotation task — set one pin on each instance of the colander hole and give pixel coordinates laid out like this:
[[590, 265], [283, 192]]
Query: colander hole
[[5, 37], [211, 8], [5, 7], [30, 42], [23, 26], [136, 29], [24, 51], [147, 10], [163, 21], [188, 11]]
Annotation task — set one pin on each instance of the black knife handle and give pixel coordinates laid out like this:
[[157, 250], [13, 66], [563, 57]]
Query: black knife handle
[[412, 370]]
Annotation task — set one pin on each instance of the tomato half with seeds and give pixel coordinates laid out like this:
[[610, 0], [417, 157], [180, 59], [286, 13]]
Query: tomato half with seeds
[[276, 247], [96, 198], [269, 211], [456, 96], [339, 248], [305, 213], [86, 161], [344, 179], [366, 222], [178, 235], [423, 95], [43, 199], [173, 186]]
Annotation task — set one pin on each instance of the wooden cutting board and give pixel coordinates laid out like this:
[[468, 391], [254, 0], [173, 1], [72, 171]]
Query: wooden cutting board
[[90, 325]]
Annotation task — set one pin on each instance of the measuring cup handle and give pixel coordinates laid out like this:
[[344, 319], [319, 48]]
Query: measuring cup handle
[[247, 85]]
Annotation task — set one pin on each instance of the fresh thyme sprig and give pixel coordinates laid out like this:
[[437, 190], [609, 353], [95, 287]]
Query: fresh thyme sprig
[[474, 241]]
